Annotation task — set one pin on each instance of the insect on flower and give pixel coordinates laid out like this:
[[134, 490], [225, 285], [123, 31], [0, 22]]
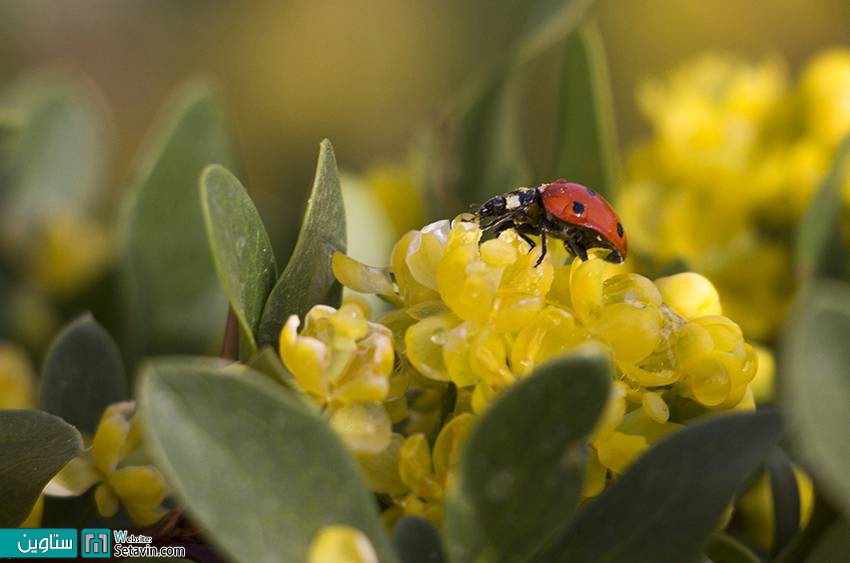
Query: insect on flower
[[580, 217]]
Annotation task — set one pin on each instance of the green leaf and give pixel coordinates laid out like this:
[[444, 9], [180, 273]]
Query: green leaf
[[785, 493], [417, 541], [665, 507], [522, 469], [820, 250], [241, 249], [482, 153], [585, 148], [723, 548], [479, 147], [34, 446], [83, 373], [175, 302], [273, 471], [815, 385], [308, 279], [834, 546], [60, 153], [549, 22]]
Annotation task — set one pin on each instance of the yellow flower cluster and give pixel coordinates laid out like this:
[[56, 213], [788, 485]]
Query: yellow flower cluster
[[344, 363], [735, 155], [116, 466], [479, 315]]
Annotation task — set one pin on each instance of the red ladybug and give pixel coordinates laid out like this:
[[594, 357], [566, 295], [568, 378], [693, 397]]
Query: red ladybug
[[580, 217]]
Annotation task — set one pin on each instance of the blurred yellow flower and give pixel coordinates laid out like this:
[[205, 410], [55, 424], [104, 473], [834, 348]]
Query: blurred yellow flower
[[341, 544], [116, 465], [67, 254], [735, 154], [755, 508], [17, 382]]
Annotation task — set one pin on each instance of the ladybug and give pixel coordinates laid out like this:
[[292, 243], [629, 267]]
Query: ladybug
[[579, 216]]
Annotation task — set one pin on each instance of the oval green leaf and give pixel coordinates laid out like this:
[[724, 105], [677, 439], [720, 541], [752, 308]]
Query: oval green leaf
[[665, 507], [417, 541], [273, 472], [585, 147], [83, 373], [815, 385], [240, 247], [820, 250], [522, 469], [308, 279], [34, 446], [174, 299], [60, 152]]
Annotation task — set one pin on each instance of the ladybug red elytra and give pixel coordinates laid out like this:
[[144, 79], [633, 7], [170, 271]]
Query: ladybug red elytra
[[580, 217]]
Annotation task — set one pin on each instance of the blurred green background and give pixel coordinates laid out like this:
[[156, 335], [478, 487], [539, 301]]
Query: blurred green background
[[365, 74]]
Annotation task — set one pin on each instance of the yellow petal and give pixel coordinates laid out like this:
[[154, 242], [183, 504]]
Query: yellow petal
[[106, 501], [364, 427], [710, 378], [141, 490], [307, 358], [617, 450], [110, 436], [410, 290], [488, 358], [424, 345], [612, 414], [631, 332], [482, 396], [449, 443], [363, 279], [341, 544], [763, 382], [425, 252], [595, 475], [416, 469], [655, 407], [690, 295], [17, 382], [382, 468], [456, 352]]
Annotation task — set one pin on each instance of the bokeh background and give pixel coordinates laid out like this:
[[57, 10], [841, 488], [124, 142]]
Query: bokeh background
[[365, 74]]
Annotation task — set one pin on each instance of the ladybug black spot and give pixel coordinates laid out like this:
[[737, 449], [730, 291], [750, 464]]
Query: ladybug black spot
[[620, 229], [578, 208]]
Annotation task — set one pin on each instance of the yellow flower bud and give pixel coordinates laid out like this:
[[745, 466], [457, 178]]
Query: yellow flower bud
[[341, 544], [654, 406], [690, 295], [424, 343], [416, 469], [617, 450], [631, 331], [710, 378], [364, 427]]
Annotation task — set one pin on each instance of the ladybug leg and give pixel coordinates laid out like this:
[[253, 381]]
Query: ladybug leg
[[577, 249], [542, 247], [526, 238]]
